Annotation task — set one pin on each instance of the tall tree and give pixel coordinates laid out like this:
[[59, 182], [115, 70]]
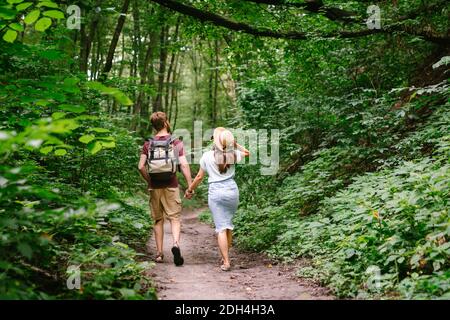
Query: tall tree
[[87, 38], [115, 39], [158, 103]]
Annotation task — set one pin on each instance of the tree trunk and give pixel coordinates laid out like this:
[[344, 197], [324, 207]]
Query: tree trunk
[[196, 60], [216, 81], [157, 105], [122, 60], [115, 39], [210, 86], [137, 110], [86, 40], [136, 41], [171, 65]]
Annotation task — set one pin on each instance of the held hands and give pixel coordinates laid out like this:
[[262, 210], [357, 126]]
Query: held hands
[[188, 193]]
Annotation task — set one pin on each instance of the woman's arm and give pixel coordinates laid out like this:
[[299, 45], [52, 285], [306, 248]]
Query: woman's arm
[[242, 149], [197, 180]]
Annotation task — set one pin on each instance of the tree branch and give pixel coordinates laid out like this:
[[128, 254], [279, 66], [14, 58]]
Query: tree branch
[[218, 20], [314, 6]]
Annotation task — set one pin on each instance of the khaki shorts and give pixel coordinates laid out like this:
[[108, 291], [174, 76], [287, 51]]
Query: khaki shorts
[[165, 203]]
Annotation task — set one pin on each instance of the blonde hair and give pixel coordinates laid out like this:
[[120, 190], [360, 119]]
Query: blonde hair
[[224, 153]]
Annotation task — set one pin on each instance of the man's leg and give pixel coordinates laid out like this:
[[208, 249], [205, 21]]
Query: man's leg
[[175, 225], [172, 209], [158, 218], [158, 231]]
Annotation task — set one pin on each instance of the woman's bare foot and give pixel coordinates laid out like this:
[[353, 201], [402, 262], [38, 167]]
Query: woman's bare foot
[[159, 258], [225, 267]]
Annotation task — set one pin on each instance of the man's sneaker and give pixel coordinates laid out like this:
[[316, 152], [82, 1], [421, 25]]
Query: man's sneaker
[[177, 258]]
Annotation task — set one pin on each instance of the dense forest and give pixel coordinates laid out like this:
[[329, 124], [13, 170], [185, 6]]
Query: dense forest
[[360, 95]]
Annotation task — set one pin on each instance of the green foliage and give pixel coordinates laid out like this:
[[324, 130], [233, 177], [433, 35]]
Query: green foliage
[[364, 125], [49, 224], [352, 149], [68, 185], [206, 217], [395, 220]]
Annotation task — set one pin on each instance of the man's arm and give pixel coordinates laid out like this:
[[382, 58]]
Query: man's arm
[[185, 169], [143, 169]]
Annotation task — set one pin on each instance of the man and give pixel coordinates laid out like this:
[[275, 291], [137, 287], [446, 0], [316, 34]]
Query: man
[[165, 200]]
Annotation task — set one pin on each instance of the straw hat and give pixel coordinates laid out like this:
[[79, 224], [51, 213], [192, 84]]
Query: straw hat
[[223, 139]]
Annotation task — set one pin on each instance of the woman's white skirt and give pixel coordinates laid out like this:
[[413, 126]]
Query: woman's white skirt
[[223, 200]]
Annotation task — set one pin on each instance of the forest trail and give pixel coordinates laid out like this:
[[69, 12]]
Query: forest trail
[[253, 276]]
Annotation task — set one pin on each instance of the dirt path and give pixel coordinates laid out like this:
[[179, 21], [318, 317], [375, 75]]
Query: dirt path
[[253, 276]]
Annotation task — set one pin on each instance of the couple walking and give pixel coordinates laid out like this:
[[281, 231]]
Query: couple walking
[[160, 159]]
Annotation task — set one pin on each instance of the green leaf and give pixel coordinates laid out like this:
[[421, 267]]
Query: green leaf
[[46, 150], [58, 115], [110, 144], [14, 1], [32, 16], [51, 54], [106, 138], [7, 14], [72, 108], [54, 14], [23, 6], [127, 293], [71, 81], [116, 93], [70, 85], [25, 249], [123, 99], [86, 138], [42, 24], [94, 147], [60, 152], [10, 36], [64, 125], [94, 85], [16, 26], [47, 4], [99, 130], [42, 102]]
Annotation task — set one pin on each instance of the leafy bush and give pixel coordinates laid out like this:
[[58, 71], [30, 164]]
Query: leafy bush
[[369, 207], [394, 221], [62, 166]]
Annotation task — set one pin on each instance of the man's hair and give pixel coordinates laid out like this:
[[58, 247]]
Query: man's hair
[[159, 121]]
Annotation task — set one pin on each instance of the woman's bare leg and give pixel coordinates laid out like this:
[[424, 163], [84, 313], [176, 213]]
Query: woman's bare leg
[[223, 247], [229, 238]]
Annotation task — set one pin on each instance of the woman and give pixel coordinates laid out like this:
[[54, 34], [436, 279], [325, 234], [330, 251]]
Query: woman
[[223, 193]]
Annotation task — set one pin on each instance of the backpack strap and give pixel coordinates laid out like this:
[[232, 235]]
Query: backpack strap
[[151, 152], [170, 141]]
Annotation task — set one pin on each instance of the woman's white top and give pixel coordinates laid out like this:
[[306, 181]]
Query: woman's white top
[[208, 164]]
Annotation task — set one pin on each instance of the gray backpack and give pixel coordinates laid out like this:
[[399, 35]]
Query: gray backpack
[[162, 159]]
